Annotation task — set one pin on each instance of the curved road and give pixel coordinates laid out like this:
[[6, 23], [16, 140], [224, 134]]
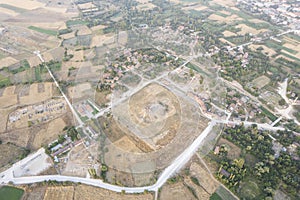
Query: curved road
[[177, 164]]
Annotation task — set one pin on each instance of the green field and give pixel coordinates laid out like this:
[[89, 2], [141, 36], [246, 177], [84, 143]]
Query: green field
[[250, 190], [197, 69], [41, 30], [10, 193], [224, 194], [13, 8], [4, 81], [268, 113], [215, 196], [76, 22]]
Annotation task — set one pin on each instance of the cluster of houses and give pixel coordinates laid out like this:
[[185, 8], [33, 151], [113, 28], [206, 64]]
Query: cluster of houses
[[279, 11]]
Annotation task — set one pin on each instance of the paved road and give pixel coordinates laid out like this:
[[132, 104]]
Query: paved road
[[61, 91], [176, 165]]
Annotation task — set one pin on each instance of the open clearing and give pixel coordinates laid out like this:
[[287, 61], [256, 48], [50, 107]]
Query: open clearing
[[260, 82]]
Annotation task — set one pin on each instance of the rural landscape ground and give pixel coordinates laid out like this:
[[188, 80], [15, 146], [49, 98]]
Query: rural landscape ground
[[149, 99]]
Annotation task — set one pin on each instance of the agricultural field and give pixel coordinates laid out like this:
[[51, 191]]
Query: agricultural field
[[41, 30], [77, 192], [38, 92], [66, 193], [260, 82], [10, 193]]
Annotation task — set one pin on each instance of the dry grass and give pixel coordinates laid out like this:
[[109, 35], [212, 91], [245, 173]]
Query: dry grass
[[8, 12], [175, 191], [45, 136], [35, 96], [78, 162], [205, 179], [78, 91], [197, 7], [26, 4], [8, 98], [9, 153], [260, 82], [99, 40], [68, 35], [226, 41], [228, 34], [234, 151], [127, 144], [257, 21], [34, 61], [199, 191], [98, 28], [3, 118], [65, 193], [146, 6], [83, 30], [266, 50], [246, 29], [229, 19], [86, 5], [285, 57], [78, 55], [230, 3], [83, 192], [7, 61]]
